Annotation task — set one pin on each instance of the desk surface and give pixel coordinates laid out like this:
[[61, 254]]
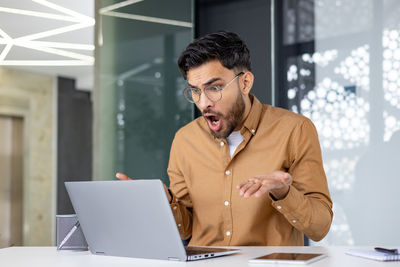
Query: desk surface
[[50, 257]]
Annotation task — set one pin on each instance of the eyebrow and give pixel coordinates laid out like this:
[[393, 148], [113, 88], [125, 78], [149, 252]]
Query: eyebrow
[[212, 80]]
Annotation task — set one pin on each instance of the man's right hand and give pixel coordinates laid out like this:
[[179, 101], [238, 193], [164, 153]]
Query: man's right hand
[[122, 176]]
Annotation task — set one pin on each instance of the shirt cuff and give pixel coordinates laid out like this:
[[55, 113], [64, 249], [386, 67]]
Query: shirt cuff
[[289, 203]]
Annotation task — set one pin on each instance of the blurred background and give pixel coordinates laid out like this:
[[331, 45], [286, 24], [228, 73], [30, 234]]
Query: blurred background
[[89, 88]]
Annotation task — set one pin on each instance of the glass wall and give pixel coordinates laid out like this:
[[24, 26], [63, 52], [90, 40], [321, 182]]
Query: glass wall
[[341, 68], [138, 100]]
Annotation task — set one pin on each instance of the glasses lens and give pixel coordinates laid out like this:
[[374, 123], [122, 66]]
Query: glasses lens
[[213, 93], [190, 95]]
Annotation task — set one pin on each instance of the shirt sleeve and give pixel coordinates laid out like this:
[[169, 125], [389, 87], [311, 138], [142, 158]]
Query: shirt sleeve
[[181, 204], [307, 206]]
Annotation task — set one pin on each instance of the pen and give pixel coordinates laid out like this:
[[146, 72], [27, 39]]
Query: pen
[[76, 226], [387, 250]]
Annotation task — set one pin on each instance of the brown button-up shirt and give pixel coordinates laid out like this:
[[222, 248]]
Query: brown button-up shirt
[[203, 178]]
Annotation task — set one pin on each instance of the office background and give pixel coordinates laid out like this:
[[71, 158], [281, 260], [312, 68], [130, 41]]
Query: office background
[[112, 100]]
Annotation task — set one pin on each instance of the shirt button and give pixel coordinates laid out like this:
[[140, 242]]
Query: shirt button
[[253, 131], [174, 207], [228, 172], [226, 203], [222, 143], [228, 233], [278, 207], [179, 225], [294, 221]]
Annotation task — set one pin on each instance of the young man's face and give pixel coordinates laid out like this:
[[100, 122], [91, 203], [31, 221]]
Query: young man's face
[[226, 114]]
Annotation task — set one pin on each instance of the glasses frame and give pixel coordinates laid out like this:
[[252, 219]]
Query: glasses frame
[[202, 91]]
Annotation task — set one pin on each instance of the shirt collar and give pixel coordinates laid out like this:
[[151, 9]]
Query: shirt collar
[[253, 119]]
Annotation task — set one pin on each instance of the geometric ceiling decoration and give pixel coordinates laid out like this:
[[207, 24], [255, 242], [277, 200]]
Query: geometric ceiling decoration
[[43, 40]]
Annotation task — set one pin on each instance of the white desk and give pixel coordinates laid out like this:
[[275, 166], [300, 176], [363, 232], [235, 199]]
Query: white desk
[[50, 257]]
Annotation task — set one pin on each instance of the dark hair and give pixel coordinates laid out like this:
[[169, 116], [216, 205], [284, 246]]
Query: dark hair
[[227, 47]]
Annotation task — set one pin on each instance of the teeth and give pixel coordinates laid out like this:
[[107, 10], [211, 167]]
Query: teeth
[[214, 122]]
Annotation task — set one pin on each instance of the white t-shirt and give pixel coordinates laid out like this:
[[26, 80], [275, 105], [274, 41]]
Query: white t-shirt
[[234, 140]]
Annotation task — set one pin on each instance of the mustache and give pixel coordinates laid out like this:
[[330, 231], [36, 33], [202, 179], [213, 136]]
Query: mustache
[[210, 111]]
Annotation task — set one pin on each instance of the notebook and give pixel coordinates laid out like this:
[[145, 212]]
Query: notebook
[[132, 219], [373, 254]]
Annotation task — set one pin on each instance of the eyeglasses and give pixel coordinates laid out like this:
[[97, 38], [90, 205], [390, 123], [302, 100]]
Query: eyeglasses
[[213, 92]]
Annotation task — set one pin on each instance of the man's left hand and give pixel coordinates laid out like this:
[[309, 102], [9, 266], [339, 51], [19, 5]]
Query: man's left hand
[[277, 183]]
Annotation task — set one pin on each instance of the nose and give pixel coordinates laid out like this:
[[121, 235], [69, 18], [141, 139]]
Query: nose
[[204, 102]]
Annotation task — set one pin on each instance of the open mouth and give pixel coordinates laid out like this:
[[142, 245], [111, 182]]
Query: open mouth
[[214, 122]]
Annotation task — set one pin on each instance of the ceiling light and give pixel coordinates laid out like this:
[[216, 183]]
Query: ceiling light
[[58, 52], [149, 19], [30, 41], [52, 44], [38, 14], [64, 10], [118, 5], [5, 51], [107, 11], [5, 35], [53, 32], [62, 45], [45, 63]]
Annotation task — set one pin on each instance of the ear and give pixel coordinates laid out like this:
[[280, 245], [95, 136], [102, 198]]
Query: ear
[[246, 82]]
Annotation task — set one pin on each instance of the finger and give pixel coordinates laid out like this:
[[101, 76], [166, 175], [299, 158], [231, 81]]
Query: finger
[[252, 189], [122, 176], [283, 177], [251, 181], [239, 186], [249, 184], [272, 183], [244, 188], [287, 179], [278, 179], [262, 190], [256, 179]]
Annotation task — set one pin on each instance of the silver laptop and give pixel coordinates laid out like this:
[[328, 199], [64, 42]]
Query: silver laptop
[[132, 219]]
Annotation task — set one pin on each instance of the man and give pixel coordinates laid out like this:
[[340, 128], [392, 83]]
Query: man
[[244, 173]]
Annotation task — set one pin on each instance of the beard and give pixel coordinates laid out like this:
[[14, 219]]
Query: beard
[[232, 118]]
